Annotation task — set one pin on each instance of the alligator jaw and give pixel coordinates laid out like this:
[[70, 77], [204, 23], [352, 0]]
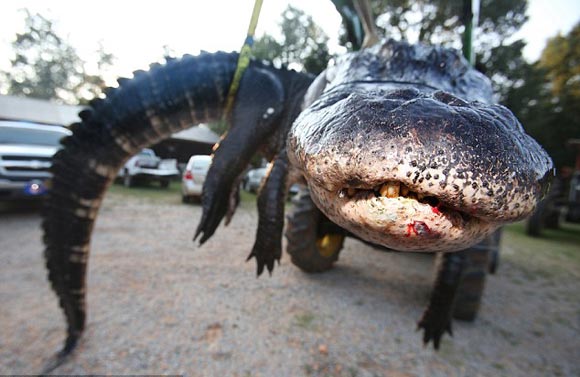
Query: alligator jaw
[[402, 220]]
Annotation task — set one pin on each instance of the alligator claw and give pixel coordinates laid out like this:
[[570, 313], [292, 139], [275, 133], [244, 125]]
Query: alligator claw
[[264, 259], [436, 319], [214, 209], [434, 325], [268, 245]]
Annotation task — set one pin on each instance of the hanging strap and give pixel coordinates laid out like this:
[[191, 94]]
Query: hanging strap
[[244, 58]]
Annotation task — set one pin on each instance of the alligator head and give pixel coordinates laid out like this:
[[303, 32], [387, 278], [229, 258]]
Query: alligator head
[[402, 146]]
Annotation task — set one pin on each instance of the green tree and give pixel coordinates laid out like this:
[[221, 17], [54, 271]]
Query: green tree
[[547, 98], [45, 66], [302, 44], [561, 60], [441, 22]]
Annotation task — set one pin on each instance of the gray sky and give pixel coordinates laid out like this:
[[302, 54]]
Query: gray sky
[[135, 32]]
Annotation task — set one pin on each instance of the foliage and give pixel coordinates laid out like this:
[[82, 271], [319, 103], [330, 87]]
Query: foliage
[[442, 22], [561, 60], [46, 66], [547, 97], [219, 127], [302, 43]]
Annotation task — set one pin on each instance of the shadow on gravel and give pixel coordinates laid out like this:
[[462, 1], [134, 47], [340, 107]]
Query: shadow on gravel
[[21, 207], [346, 279]]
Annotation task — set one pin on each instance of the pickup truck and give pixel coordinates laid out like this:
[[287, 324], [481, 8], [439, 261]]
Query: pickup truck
[[145, 166], [26, 151]]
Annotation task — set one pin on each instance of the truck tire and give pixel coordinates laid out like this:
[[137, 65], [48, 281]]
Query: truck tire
[[535, 223], [310, 246], [480, 260], [128, 181]]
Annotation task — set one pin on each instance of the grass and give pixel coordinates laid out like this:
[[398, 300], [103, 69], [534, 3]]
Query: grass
[[172, 194], [150, 191], [305, 320], [556, 251]]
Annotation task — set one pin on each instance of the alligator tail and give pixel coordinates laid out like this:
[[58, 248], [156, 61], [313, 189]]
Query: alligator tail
[[140, 112]]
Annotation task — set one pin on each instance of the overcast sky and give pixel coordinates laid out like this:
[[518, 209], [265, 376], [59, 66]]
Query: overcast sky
[[135, 32]]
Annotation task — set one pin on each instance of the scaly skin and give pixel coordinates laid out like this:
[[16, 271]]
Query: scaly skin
[[141, 112], [398, 117], [420, 117], [329, 154], [395, 118]]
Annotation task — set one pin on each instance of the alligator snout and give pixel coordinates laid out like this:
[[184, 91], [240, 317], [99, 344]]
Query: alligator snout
[[381, 161]]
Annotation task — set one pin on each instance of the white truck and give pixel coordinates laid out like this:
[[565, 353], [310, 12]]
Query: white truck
[[145, 166], [26, 151]]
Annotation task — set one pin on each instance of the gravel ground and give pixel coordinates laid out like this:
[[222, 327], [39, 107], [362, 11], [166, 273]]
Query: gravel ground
[[158, 304]]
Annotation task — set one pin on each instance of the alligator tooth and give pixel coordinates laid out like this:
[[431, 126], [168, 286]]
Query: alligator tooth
[[404, 190], [390, 189]]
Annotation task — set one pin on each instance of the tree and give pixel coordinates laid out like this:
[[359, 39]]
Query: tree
[[561, 60], [303, 43], [547, 98], [441, 22], [45, 66]]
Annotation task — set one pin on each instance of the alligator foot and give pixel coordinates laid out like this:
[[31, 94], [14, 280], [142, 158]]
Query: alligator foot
[[265, 255], [268, 245], [215, 204], [437, 317], [434, 324]]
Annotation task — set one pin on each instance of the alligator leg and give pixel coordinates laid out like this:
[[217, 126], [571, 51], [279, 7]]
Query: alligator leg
[[268, 245], [255, 117], [437, 317]]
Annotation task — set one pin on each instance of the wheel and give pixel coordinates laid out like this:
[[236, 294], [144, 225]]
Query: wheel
[[164, 183], [552, 219], [311, 246], [479, 261], [494, 252], [535, 223], [128, 181]]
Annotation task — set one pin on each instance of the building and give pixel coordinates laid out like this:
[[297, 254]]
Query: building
[[196, 140]]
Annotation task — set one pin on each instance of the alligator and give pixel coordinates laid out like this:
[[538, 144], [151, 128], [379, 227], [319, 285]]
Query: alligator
[[400, 144]]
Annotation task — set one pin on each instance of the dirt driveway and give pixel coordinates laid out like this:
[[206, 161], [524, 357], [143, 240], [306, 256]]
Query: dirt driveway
[[158, 304]]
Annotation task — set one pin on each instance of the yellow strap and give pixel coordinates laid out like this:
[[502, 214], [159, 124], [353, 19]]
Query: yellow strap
[[244, 58]]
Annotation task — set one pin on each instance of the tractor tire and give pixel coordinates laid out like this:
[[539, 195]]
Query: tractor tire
[[310, 248], [480, 260], [535, 223]]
